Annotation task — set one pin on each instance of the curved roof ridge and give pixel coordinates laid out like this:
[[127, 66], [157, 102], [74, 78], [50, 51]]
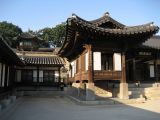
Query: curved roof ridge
[[106, 18], [147, 24], [133, 28], [54, 60], [97, 22], [28, 35], [74, 16]]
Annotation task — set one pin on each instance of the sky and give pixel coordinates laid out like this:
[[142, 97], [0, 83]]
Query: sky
[[38, 14]]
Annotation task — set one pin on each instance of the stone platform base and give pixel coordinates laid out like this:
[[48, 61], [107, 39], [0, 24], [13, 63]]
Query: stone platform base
[[124, 91]]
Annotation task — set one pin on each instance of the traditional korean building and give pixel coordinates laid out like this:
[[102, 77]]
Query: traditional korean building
[[29, 67], [42, 66], [106, 51], [41, 69], [29, 42], [143, 63], [8, 61]]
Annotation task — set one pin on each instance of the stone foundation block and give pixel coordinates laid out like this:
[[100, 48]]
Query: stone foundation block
[[124, 94], [12, 98], [90, 92]]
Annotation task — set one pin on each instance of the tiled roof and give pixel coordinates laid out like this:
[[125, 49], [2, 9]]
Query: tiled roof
[[80, 32], [106, 18], [88, 26], [43, 60], [8, 55], [153, 42], [26, 35]]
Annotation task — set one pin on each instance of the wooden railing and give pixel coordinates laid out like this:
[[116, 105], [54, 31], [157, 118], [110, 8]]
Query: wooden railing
[[107, 75], [81, 76], [98, 75]]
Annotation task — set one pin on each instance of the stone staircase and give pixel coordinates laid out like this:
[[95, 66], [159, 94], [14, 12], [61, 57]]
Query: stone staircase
[[102, 92], [143, 91], [147, 91], [39, 91]]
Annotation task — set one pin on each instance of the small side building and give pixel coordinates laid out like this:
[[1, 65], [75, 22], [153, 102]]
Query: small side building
[[41, 69], [42, 65]]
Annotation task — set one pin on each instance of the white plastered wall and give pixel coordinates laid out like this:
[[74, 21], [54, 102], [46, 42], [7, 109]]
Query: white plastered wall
[[3, 75], [97, 60], [86, 61], [73, 64], [56, 76], [117, 61], [40, 75], [151, 67]]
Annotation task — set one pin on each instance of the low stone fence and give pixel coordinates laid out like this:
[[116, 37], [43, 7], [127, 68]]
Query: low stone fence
[[83, 91], [6, 98]]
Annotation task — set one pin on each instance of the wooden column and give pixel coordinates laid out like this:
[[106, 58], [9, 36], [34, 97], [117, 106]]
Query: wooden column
[[90, 64], [123, 79], [5, 76], [155, 70], [134, 70], [37, 74], [123, 84], [80, 67], [59, 72], [90, 93]]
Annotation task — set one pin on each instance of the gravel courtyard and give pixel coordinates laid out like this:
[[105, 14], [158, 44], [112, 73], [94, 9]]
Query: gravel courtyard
[[62, 108]]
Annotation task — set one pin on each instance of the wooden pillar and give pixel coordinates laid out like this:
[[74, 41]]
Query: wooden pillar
[[80, 67], [123, 84], [134, 70], [5, 76], [90, 64], [155, 70], [123, 79], [90, 93], [37, 74], [59, 72]]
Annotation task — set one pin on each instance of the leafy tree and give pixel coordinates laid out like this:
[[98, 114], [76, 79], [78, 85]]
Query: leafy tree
[[46, 37], [32, 32], [59, 34], [46, 34], [55, 34], [9, 32]]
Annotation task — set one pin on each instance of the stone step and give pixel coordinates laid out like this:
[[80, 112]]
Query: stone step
[[136, 89], [40, 93], [141, 85], [136, 92], [38, 88], [135, 96]]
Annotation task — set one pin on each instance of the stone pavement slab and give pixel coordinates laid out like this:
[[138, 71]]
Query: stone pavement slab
[[62, 108]]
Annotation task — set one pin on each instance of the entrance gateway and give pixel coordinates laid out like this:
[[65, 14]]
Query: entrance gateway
[[101, 51]]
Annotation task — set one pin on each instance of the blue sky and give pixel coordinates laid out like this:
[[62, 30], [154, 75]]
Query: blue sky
[[37, 14]]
